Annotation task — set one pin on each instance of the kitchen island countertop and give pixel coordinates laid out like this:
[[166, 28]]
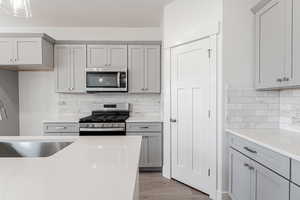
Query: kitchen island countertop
[[91, 168]]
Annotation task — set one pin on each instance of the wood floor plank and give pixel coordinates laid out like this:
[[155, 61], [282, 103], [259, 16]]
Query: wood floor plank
[[155, 187]]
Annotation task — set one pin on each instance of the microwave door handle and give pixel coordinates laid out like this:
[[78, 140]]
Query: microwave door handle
[[119, 79]]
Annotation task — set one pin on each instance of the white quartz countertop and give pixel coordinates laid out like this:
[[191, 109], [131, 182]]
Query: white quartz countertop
[[281, 141], [91, 168]]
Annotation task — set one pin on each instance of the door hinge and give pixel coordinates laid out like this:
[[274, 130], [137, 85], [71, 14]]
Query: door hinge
[[209, 52], [208, 172], [209, 114]]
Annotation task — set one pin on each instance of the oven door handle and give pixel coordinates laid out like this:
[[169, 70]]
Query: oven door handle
[[119, 79], [102, 129]]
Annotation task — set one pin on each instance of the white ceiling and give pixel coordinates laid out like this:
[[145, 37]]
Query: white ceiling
[[91, 13]]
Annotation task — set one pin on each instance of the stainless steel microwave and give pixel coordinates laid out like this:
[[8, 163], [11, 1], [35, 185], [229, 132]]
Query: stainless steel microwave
[[106, 80]]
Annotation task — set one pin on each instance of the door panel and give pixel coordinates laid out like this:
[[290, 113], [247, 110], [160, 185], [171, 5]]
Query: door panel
[[117, 55], [136, 68], [192, 75], [28, 51], [269, 185], [97, 56], [63, 68], [144, 152], [78, 68], [154, 150], [241, 177], [6, 49]]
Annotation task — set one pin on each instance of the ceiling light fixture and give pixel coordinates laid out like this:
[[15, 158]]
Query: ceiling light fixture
[[17, 8]]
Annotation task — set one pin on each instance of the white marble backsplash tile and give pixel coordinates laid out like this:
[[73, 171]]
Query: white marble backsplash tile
[[290, 109], [81, 105], [248, 108]]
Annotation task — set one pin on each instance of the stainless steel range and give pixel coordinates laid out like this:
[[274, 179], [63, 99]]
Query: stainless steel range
[[109, 120]]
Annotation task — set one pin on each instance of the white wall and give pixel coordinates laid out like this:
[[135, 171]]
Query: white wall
[[238, 55], [9, 96], [38, 101], [185, 21]]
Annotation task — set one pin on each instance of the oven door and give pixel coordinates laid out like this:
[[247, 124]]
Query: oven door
[[102, 131], [110, 81]]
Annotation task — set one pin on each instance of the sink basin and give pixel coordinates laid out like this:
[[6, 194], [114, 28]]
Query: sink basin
[[18, 149]]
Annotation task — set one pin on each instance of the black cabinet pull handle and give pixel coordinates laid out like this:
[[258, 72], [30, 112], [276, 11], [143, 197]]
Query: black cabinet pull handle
[[250, 150]]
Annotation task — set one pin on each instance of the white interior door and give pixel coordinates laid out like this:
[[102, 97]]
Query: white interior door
[[193, 107]]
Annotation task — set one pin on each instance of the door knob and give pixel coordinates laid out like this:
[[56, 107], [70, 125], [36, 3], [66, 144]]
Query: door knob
[[173, 120]]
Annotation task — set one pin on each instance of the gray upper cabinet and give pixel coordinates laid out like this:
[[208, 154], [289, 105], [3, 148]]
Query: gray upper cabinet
[[70, 65], [277, 44], [107, 56], [144, 68], [26, 53], [271, 44], [295, 70]]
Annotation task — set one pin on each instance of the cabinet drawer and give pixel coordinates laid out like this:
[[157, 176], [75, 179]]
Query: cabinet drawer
[[268, 158], [61, 128], [144, 127], [295, 176], [52, 134]]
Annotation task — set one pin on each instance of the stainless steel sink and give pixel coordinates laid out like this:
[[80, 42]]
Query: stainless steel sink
[[17, 149]]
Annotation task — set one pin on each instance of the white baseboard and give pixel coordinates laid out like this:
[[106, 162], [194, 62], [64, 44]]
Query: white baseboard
[[223, 195]]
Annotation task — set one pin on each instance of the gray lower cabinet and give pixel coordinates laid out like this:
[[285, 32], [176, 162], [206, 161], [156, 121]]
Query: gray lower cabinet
[[151, 150], [70, 65], [144, 68], [250, 180], [295, 192]]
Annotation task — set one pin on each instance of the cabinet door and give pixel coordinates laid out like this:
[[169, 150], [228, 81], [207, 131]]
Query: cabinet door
[[97, 56], [117, 56], [271, 44], [269, 185], [78, 63], [295, 192], [152, 69], [241, 177], [62, 68], [6, 49], [144, 152], [136, 68], [154, 150], [28, 51], [295, 75]]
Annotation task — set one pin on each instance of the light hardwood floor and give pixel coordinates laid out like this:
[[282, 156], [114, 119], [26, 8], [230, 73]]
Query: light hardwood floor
[[154, 187]]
